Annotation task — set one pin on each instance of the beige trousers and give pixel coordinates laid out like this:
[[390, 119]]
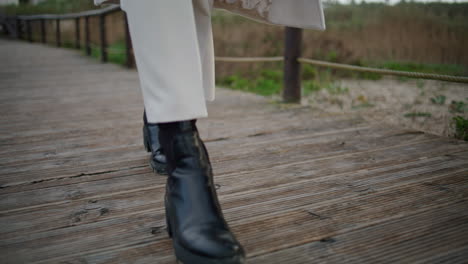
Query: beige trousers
[[173, 46]]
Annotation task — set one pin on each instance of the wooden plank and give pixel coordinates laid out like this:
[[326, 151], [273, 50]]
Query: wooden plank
[[448, 255], [260, 235], [84, 117], [85, 131], [259, 175], [36, 167], [433, 236], [321, 221], [240, 205], [77, 140], [117, 139], [12, 171], [53, 162]]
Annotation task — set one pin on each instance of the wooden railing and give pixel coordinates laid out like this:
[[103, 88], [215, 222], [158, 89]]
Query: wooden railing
[[21, 27]]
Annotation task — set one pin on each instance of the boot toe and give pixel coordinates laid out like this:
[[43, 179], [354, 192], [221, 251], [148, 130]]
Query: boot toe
[[211, 242]]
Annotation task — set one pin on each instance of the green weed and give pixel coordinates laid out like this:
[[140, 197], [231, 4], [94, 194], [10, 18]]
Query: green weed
[[336, 88], [332, 56], [369, 76], [310, 86], [439, 100], [458, 107], [267, 83], [461, 128], [309, 72], [270, 82], [116, 53], [68, 44]]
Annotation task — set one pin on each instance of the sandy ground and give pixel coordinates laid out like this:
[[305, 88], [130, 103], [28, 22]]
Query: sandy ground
[[404, 103]]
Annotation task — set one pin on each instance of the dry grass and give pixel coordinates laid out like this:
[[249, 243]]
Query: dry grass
[[367, 34]]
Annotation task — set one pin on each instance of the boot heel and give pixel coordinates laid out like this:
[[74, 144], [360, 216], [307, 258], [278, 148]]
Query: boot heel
[[146, 141]]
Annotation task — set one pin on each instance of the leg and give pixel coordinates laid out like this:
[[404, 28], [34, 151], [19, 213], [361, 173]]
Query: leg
[[174, 54], [202, 11], [194, 218], [175, 78]]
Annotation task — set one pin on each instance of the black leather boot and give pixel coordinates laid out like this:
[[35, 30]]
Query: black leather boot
[[200, 235], [151, 142]]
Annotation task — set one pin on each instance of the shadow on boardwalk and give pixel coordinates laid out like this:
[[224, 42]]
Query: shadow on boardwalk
[[296, 187]]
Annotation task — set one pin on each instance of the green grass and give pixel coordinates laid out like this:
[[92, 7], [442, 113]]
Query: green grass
[[68, 45], [458, 107], [439, 100], [267, 83], [310, 86], [49, 7], [335, 88], [270, 82], [116, 53], [461, 128]]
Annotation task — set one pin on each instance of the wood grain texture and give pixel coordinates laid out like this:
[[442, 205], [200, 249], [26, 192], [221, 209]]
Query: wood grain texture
[[296, 186]]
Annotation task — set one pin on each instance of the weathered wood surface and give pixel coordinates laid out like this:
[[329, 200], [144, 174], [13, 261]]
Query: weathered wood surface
[[296, 186]]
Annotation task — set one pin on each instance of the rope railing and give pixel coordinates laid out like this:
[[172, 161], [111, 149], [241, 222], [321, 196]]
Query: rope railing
[[341, 66], [249, 59], [21, 27], [441, 77]]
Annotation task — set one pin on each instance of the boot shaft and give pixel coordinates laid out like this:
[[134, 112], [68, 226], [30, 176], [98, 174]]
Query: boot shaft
[[183, 146]]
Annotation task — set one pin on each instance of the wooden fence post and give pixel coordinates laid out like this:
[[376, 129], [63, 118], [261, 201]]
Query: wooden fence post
[[128, 45], [102, 32], [43, 31], [58, 34], [77, 33], [28, 30], [19, 29], [4, 27], [292, 67], [87, 40]]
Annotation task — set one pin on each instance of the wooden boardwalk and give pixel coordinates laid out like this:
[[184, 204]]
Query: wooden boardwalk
[[296, 186]]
